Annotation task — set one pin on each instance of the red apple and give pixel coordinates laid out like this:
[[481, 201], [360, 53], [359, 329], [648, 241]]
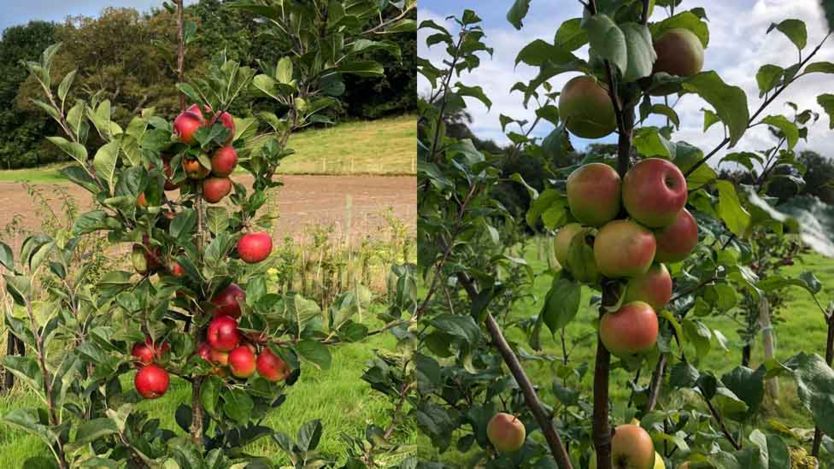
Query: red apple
[[224, 161], [176, 269], [194, 169], [214, 189], [229, 122], [254, 247], [594, 194], [242, 362], [654, 287], [141, 201], [151, 382], [204, 351], [271, 367], [632, 447], [561, 243], [676, 241], [623, 249], [186, 126], [506, 432], [630, 330], [227, 302], [195, 109], [223, 334], [654, 191], [142, 353]]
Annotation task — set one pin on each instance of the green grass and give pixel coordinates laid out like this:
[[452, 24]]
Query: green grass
[[337, 396], [384, 146]]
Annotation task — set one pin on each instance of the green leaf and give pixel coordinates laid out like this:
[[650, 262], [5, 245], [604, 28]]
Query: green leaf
[[210, 393], [74, 150], [827, 103], [736, 217], [362, 68], [315, 352], [309, 435], [729, 102], [686, 20], [650, 143], [820, 67], [28, 421], [667, 111], [538, 52], [463, 327], [517, 13], [475, 92], [768, 77], [92, 430], [607, 41], [237, 405], [6, 256], [284, 71], [788, 128], [570, 34], [747, 384], [105, 162], [641, 54], [561, 303], [66, 83], [794, 29], [815, 388], [698, 335]]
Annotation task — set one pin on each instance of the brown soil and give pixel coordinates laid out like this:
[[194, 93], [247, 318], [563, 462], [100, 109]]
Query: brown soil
[[302, 202]]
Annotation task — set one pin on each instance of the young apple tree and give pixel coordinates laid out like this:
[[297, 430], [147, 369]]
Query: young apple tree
[[651, 234]]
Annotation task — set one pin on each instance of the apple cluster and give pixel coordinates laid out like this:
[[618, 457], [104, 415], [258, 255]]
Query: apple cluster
[[216, 183], [226, 346], [151, 381], [626, 230]]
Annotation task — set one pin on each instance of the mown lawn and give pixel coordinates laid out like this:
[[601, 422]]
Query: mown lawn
[[384, 146], [337, 396]]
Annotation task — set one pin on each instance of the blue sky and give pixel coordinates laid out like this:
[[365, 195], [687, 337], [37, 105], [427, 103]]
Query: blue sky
[[22, 11], [738, 47]]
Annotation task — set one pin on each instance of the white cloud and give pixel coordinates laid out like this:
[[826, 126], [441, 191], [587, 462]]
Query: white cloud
[[738, 47]]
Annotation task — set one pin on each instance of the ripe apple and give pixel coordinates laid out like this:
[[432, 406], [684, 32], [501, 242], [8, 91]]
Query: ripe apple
[[176, 269], [623, 249], [143, 353], [214, 189], [654, 191], [242, 362], [186, 125], [254, 247], [506, 432], [218, 358], [223, 334], [630, 330], [271, 367], [151, 382], [586, 109], [224, 161], [227, 302], [594, 193], [676, 241], [654, 287], [679, 52], [561, 243], [194, 169], [195, 109], [229, 122], [632, 447], [204, 351]]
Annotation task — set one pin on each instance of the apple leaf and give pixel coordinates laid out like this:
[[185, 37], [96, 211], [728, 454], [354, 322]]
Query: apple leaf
[[570, 34], [730, 210], [641, 54], [815, 388], [729, 102], [768, 77], [517, 13], [794, 29], [827, 103], [561, 303], [788, 128], [607, 40]]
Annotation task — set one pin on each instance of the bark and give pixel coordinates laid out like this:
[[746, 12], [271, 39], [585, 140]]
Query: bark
[[768, 343]]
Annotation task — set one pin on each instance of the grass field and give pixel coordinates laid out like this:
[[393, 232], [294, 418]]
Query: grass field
[[384, 146]]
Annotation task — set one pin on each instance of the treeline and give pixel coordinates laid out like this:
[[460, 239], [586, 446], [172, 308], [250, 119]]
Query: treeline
[[129, 58]]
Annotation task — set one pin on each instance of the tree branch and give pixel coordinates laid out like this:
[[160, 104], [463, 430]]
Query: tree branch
[[557, 448]]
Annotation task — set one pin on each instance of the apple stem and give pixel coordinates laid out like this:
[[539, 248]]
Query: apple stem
[[557, 448]]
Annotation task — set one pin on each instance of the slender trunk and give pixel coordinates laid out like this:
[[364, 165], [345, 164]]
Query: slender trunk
[[829, 358], [656, 383], [768, 343]]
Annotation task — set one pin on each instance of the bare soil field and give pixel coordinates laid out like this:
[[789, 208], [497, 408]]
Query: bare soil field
[[303, 201]]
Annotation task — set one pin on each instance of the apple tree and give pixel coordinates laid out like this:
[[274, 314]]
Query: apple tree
[[650, 235], [192, 308]]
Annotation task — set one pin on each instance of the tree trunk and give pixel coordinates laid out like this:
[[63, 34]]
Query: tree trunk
[[829, 357], [768, 343]]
